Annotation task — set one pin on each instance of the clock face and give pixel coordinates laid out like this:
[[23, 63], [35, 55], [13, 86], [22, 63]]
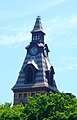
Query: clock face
[[45, 53], [33, 50]]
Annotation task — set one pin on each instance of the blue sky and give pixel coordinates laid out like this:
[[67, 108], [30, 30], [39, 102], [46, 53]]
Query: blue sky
[[59, 19]]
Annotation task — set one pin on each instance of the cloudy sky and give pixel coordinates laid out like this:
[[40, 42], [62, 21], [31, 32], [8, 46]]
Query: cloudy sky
[[59, 19]]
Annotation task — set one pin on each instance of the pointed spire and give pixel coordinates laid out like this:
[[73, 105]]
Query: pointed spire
[[38, 25]]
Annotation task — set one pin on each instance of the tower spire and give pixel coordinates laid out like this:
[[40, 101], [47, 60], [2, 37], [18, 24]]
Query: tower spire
[[38, 25]]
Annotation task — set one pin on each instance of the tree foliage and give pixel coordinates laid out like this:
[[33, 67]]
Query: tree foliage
[[59, 106]]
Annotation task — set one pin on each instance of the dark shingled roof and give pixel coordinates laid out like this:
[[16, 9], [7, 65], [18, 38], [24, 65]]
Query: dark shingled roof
[[38, 25]]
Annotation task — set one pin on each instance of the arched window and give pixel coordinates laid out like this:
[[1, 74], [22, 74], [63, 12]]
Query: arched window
[[38, 37], [33, 37], [30, 73], [29, 76]]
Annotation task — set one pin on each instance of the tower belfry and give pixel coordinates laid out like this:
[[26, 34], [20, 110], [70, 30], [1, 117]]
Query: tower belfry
[[37, 73]]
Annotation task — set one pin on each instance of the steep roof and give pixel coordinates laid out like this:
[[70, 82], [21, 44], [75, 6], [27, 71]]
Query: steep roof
[[38, 25]]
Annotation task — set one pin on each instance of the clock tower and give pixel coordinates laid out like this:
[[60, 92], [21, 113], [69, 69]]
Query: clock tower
[[37, 73]]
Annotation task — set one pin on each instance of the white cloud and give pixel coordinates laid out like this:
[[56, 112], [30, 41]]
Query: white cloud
[[54, 28], [11, 35], [5, 27], [24, 28], [4, 40], [51, 3], [69, 67], [55, 2], [74, 40], [68, 58], [61, 31], [67, 63], [74, 20], [10, 14], [60, 24]]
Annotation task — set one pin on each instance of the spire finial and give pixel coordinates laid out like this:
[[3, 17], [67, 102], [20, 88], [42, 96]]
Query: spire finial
[[38, 16]]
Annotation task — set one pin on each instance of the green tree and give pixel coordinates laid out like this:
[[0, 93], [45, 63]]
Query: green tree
[[59, 106]]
